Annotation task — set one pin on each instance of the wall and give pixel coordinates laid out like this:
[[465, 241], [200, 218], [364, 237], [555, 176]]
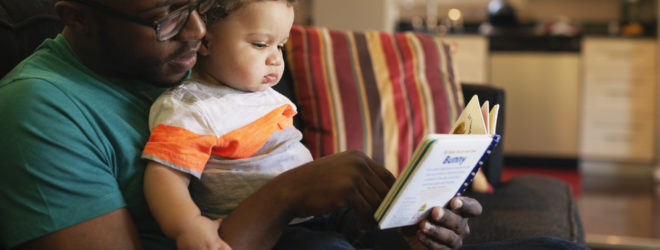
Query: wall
[[354, 15], [656, 173], [302, 16]]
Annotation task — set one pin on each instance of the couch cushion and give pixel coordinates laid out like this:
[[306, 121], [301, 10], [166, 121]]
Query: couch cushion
[[376, 92], [527, 206], [23, 26]]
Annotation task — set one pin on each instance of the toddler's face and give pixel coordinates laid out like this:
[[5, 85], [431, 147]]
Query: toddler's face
[[244, 50]]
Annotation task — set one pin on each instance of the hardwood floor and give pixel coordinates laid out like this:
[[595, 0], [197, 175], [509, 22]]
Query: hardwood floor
[[620, 213]]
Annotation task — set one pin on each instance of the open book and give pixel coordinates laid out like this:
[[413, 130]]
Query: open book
[[441, 167]]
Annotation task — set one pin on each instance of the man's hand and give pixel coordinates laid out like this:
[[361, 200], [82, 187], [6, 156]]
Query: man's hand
[[445, 228], [348, 179]]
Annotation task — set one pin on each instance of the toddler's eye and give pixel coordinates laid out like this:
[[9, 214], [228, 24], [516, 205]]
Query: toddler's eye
[[260, 45], [280, 47]]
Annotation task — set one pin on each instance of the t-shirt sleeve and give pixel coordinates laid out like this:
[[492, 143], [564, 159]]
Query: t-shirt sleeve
[[55, 171], [181, 136]]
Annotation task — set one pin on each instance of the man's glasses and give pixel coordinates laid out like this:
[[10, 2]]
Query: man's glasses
[[166, 27]]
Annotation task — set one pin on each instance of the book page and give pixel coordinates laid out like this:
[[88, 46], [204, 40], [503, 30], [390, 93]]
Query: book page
[[493, 118], [446, 163], [486, 115], [471, 120]]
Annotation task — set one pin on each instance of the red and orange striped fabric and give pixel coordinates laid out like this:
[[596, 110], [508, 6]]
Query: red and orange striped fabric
[[376, 92]]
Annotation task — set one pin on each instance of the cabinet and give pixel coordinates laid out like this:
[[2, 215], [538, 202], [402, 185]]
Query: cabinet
[[542, 102], [471, 57], [618, 116]]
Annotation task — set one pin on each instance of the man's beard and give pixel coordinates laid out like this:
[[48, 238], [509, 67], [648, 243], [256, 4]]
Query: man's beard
[[131, 65]]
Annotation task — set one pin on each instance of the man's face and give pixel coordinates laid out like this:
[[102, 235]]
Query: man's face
[[244, 50], [132, 50]]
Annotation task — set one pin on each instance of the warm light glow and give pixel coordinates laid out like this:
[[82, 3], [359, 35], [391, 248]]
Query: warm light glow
[[454, 14], [613, 240]]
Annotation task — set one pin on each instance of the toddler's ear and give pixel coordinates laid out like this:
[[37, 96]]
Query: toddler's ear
[[204, 48]]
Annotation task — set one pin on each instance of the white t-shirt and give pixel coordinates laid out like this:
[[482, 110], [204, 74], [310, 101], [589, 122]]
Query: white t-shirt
[[232, 141]]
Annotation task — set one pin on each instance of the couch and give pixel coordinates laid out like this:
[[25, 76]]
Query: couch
[[520, 207], [329, 75]]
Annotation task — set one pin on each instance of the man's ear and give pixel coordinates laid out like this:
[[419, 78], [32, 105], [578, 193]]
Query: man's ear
[[74, 15]]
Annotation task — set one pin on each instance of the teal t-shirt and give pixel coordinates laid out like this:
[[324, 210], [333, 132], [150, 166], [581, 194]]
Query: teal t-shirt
[[70, 145]]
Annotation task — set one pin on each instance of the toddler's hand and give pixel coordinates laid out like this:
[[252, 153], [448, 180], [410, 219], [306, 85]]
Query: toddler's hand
[[201, 233]]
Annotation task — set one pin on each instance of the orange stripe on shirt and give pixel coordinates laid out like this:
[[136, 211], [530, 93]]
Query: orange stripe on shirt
[[180, 146], [247, 140], [191, 150]]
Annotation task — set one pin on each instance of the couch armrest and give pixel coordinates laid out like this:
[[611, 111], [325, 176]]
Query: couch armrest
[[494, 95]]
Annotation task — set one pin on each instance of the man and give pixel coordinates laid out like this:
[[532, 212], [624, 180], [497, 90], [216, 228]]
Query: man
[[75, 121]]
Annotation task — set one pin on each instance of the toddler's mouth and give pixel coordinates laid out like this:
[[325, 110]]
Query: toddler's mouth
[[270, 78]]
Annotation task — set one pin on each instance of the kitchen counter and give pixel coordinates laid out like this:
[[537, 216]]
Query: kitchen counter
[[525, 38]]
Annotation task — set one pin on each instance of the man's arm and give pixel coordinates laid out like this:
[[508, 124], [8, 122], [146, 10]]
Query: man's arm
[[114, 230], [345, 179], [348, 179], [55, 182]]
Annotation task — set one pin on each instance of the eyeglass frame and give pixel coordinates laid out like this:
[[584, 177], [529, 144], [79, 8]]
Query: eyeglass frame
[[156, 25]]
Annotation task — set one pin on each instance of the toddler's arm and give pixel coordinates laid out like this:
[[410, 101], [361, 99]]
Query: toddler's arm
[[167, 193]]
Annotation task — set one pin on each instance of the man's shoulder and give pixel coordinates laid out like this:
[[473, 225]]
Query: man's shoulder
[[48, 83], [28, 90], [27, 87], [30, 79]]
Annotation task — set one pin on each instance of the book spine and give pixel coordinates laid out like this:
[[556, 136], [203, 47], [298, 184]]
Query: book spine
[[482, 160]]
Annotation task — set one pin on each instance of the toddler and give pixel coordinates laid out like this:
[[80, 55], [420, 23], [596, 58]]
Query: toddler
[[223, 133]]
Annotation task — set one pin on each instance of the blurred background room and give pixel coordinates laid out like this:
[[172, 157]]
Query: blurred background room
[[580, 78]]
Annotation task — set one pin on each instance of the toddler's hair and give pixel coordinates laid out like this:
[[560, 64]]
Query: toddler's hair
[[223, 8]]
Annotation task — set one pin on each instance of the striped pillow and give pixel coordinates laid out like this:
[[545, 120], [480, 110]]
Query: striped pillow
[[376, 92]]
